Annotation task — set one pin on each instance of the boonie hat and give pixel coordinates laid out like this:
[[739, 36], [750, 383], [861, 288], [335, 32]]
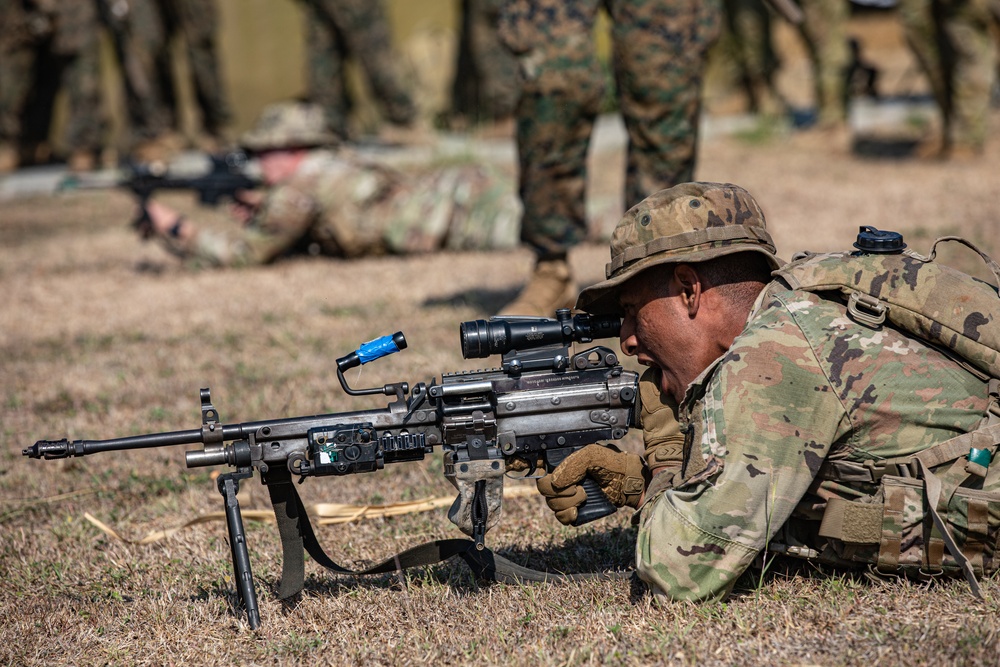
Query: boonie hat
[[690, 222], [288, 125]]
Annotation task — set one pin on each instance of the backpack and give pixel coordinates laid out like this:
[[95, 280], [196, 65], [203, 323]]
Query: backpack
[[937, 511]]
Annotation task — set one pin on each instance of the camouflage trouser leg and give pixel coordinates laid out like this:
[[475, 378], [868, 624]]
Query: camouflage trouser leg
[[199, 22], [325, 70], [15, 84], [824, 30], [362, 26], [140, 36], [951, 40], [749, 30], [563, 85], [486, 84], [87, 124], [660, 49], [968, 29]]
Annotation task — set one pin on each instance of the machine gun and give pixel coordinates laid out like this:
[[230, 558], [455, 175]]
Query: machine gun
[[227, 175], [541, 404]]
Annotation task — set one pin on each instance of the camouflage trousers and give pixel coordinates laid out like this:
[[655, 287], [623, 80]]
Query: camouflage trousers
[[748, 44], [951, 40], [486, 84], [824, 30], [658, 60], [340, 29], [61, 52], [142, 35]]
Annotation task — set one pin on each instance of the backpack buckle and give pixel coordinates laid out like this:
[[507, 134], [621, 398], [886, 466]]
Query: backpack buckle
[[866, 309]]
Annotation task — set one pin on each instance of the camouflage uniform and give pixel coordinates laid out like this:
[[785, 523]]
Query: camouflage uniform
[[804, 383], [339, 206], [748, 40], [791, 434], [338, 29], [486, 84], [142, 30], [659, 49], [45, 46], [952, 41], [824, 30]]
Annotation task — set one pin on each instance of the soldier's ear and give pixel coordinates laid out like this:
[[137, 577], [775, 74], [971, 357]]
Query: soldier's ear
[[688, 286]]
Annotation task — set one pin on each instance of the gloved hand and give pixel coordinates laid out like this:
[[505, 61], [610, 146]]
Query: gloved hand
[[621, 476]]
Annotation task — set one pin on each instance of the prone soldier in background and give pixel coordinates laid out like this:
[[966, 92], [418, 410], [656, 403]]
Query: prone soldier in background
[[335, 204]]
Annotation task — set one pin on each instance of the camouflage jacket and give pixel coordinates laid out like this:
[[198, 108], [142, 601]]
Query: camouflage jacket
[[339, 205], [802, 384]]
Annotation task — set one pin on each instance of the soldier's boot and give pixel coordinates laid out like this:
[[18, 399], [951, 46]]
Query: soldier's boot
[[9, 158], [550, 288]]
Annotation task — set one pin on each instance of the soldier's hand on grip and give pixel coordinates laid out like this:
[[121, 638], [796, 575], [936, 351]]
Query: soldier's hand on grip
[[621, 476]]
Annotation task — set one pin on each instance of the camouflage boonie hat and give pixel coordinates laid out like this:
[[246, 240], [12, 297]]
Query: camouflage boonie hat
[[288, 125], [690, 222]]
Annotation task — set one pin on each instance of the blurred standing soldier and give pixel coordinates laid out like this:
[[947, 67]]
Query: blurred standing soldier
[[142, 31], [951, 40], [748, 24], [46, 45], [659, 49], [340, 29], [198, 22], [333, 203], [486, 84], [824, 30]]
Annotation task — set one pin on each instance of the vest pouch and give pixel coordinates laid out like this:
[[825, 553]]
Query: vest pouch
[[912, 544]]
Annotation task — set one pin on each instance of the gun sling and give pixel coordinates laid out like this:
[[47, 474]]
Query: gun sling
[[297, 537]]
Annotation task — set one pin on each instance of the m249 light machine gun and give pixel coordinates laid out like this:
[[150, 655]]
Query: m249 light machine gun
[[541, 404]]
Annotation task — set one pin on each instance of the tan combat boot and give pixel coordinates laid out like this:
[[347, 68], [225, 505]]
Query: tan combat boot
[[549, 289]]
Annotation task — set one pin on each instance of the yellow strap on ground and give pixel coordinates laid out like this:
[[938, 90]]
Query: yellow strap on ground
[[323, 513]]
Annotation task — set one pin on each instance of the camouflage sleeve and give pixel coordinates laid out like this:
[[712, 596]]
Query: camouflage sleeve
[[764, 425], [284, 219]]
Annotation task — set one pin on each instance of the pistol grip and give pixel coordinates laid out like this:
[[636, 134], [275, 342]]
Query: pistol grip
[[597, 504]]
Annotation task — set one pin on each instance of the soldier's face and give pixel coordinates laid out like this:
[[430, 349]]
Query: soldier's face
[[278, 166], [661, 327]]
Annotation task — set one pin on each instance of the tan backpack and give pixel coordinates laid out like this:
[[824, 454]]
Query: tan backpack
[[939, 510]]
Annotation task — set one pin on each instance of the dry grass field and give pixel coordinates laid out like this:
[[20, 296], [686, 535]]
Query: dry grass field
[[102, 336]]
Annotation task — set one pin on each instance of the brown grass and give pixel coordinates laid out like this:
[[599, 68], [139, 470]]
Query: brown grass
[[102, 336]]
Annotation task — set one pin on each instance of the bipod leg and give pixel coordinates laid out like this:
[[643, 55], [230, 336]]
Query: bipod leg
[[229, 486]]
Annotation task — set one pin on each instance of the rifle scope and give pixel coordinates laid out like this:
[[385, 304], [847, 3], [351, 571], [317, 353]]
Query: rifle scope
[[500, 335]]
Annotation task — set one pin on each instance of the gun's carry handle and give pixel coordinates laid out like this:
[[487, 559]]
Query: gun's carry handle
[[597, 504]]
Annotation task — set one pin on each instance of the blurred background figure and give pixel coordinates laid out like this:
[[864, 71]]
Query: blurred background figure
[[143, 32], [954, 43], [338, 30], [658, 60], [329, 201], [748, 41], [824, 31], [46, 46], [486, 83]]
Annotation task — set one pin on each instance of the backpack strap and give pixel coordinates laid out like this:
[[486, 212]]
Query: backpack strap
[[990, 263]]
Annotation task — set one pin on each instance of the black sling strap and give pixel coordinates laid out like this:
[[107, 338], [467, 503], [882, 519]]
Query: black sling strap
[[297, 536]]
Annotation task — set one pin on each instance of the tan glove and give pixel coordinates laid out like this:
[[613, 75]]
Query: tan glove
[[621, 476], [661, 432]]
